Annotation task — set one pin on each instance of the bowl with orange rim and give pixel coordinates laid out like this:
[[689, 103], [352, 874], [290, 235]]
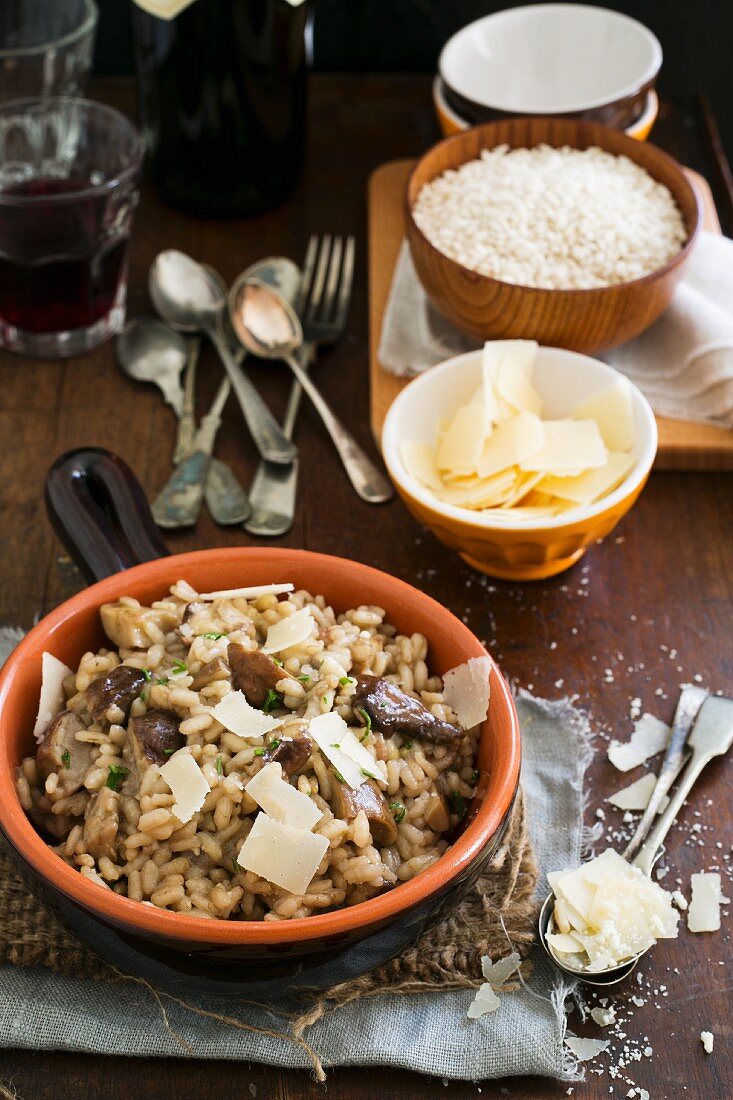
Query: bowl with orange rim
[[229, 957]]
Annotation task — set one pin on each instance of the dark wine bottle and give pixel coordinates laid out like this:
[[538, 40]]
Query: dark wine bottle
[[222, 93]]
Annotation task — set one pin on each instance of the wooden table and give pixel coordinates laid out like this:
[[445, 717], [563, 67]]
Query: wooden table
[[661, 583]]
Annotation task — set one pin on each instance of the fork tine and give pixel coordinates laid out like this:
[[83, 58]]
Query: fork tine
[[347, 282], [306, 278], [319, 278], [332, 281]]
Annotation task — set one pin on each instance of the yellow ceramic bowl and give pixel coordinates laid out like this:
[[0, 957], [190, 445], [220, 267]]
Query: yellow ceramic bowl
[[451, 122], [519, 550]]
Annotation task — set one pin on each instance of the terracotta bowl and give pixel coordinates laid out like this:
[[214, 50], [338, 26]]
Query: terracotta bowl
[[582, 320], [230, 956], [564, 60], [514, 550], [452, 121]]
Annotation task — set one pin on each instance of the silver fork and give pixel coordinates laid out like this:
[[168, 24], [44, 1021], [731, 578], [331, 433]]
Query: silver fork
[[323, 306]]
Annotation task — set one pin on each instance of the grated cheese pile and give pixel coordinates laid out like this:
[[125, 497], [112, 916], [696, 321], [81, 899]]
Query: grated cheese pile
[[606, 912], [496, 455], [558, 218]]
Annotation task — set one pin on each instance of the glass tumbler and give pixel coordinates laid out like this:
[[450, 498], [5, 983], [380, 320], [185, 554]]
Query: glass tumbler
[[45, 46], [69, 175]]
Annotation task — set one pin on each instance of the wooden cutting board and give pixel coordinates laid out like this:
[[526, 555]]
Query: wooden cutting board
[[683, 445]]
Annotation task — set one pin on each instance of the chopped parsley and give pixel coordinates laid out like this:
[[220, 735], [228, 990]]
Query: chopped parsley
[[219, 766], [367, 723], [398, 811], [260, 752], [168, 752], [179, 668], [278, 662], [116, 776], [235, 866], [406, 745], [162, 680], [213, 636], [147, 674], [339, 776], [304, 679], [66, 758], [325, 700], [369, 775], [345, 680], [275, 743], [144, 696], [272, 699], [457, 804]]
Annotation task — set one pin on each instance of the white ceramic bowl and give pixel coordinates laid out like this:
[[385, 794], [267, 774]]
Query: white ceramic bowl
[[552, 59], [513, 548]]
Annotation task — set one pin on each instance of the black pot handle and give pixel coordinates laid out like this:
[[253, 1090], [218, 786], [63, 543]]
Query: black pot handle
[[99, 511]]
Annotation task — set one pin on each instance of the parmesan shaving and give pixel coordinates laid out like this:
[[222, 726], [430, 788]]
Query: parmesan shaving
[[636, 796], [604, 1017], [252, 593], [281, 854], [613, 413], [460, 447], [187, 783], [352, 761], [650, 736], [485, 1001], [570, 445], [52, 698], [704, 912], [290, 631], [466, 690], [498, 972], [585, 1049], [280, 800], [236, 715], [419, 460]]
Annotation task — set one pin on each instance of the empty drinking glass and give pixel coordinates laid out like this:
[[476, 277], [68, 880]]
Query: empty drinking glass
[[45, 46], [69, 174]]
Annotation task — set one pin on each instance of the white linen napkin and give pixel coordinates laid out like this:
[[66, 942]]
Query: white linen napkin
[[683, 363]]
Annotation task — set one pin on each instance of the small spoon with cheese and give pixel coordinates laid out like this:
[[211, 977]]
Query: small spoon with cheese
[[600, 919]]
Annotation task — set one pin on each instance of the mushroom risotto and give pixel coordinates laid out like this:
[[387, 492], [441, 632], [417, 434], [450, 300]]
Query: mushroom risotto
[[252, 755]]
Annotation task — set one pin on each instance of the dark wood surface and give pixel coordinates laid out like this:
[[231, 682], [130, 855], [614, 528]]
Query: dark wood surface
[[662, 582]]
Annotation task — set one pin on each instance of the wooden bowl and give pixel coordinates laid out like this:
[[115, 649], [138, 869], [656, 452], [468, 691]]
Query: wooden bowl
[[582, 320]]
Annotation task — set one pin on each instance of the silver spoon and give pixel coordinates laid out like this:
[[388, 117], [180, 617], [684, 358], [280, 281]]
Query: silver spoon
[[712, 735], [191, 300], [148, 351], [269, 328]]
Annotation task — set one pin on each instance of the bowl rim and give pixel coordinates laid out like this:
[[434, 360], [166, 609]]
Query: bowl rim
[[647, 116], [88, 24], [507, 15], [567, 292], [579, 515], [160, 923]]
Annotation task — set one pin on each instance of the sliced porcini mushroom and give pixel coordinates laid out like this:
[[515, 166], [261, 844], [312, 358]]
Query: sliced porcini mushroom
[[118, 688], [292, 755], [101, 823], [125, 626], [253, 673], [346, 802], [60, 752], [392, 710], [211, 672], [154, 737], [437, 813]]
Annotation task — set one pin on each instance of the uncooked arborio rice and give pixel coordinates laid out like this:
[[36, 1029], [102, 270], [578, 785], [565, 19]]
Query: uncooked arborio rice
[[129, 841], [558, 218]]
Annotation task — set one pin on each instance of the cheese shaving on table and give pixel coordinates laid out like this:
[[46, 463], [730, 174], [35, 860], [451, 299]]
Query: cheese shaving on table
[[486, 999], [650, 736], [339, 744], [496, 451], [613, 910], [636, 796], [52, 698], [466, 690], [187, 783], [252, 593], [604, 1017], [290, 631], [585, 1049], [236, 715], [707, 896], [281, 801], [283, 855]]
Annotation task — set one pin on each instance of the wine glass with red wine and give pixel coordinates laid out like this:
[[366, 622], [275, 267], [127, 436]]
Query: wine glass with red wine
[[69, 177]]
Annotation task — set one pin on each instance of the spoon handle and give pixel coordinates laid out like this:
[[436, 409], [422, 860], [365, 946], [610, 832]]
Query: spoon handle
[[187, 421], [269, 438], [273, 489], [371, 485]]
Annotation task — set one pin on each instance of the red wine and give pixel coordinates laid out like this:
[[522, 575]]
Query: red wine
[[222, 92], [59, 268]]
